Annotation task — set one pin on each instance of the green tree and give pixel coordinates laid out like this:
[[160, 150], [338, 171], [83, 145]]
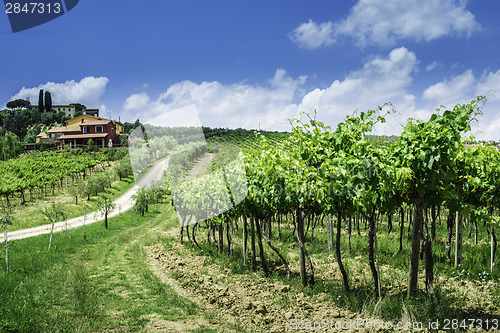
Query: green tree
[[88, 188], [105, 206], [76, 191], [34, 116], [19, 103], [141, 200], [9, 146], [48, 102], [129, 127], [91, 146], [79, 108], [123, 138], [52, 213], [16, 121], [40, 101], [124, 169], [31, 134], [47, 118]]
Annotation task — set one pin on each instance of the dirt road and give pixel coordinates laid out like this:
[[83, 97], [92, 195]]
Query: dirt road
[[123, 203]]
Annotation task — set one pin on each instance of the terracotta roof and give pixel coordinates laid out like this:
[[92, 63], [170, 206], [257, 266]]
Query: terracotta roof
[[83, 136], [42, 135], [64, 129]]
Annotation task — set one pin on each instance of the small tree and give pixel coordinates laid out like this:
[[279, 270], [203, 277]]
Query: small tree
[[141, 201], [85, 206], [123, 169], [52, 213], [76, 191], [105, 206], [6, 212], [88, 188], [105, 179], [91, 146]]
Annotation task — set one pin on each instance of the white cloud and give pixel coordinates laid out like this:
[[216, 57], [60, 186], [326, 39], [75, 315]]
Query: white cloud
[[449, 92], [464, 88], [489, 124], [383, 22], [105, 112], [489, 127], [220, 105], [88, 91], [380, 80], [490, 85], [136, 102], [310, 35], [432, 66]]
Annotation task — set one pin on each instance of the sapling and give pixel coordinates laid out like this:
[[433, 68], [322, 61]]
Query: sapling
[[6, 220], [54, 211], [105, 206]]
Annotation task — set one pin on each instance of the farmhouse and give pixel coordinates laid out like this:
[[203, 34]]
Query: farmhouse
[[69, 110], [78, 131]]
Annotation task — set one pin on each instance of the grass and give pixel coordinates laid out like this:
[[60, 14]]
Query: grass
[[94, 284]]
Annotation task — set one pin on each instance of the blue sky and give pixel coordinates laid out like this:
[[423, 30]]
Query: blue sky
[[245, 63]]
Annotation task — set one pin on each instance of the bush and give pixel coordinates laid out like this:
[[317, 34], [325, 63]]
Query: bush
[[123, 138]]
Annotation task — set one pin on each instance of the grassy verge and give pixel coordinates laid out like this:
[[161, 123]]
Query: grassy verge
[[92, 284]]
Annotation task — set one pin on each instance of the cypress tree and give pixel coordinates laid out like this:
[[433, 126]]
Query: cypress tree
[[48, 101], [40, 101]]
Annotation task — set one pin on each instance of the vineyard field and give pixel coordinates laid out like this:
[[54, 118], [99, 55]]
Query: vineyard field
[[249, 140], [258, 232], [32, 182]]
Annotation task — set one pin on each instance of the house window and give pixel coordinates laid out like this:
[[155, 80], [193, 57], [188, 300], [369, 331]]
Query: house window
[[85, 129], [112, 131], [98, 129]]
